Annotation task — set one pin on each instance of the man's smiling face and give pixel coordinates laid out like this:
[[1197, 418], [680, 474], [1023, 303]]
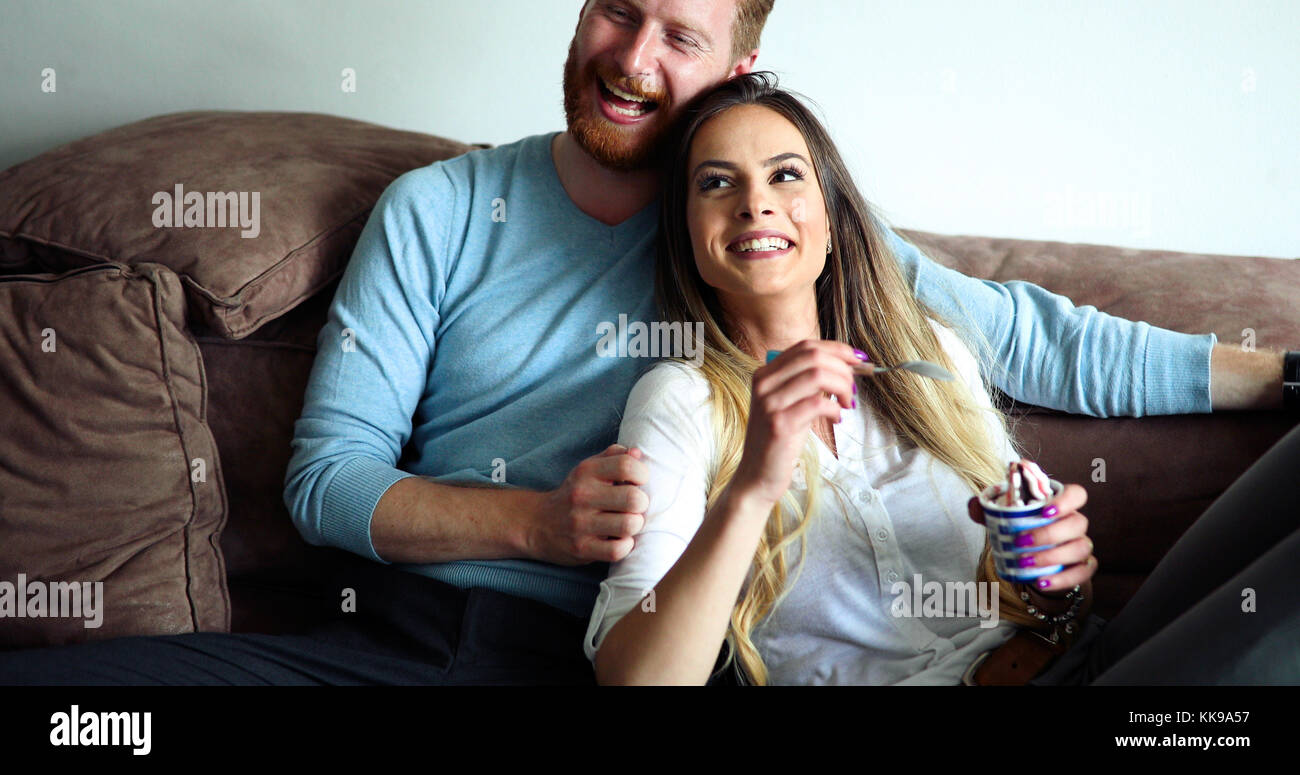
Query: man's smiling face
[[633, 64]]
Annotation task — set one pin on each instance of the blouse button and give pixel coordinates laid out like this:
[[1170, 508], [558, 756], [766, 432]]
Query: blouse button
[[882, 534], [892, 576]]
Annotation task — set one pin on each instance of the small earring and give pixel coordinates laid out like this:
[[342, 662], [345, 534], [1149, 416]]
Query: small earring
[[828, 247]]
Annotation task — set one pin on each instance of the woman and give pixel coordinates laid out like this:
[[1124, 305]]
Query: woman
[[791, 547]]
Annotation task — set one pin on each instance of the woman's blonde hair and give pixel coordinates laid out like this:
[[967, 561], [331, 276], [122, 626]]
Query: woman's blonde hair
[[862, 300]]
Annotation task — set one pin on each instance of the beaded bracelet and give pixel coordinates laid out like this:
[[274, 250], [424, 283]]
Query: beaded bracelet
[[1076, 597]]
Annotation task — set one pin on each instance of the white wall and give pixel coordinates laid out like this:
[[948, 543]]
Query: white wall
[[980, 117]]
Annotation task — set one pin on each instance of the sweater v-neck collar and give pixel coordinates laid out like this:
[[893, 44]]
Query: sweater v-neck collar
[[636, 224]]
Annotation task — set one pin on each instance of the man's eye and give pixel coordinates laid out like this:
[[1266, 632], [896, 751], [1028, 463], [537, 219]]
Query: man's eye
[[685, 41]]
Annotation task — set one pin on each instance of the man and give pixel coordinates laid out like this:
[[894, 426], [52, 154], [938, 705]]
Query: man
[[462, 346]]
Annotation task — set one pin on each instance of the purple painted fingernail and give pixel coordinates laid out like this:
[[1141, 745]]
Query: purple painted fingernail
[[1050, 511], [855, 388], [862, 356], [1044, 583], [1025, 562], [855, 403], [1024, 539]]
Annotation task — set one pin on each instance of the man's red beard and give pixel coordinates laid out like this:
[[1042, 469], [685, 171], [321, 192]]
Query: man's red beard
[[617, 147]]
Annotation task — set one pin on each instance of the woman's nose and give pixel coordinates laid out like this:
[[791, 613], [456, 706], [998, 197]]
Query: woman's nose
[[755, 205]]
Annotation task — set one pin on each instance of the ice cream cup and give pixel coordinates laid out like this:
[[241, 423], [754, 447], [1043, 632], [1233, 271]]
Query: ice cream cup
[[1005, 523]]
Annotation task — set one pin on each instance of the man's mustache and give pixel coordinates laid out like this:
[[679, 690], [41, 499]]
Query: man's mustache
[[634, 87]]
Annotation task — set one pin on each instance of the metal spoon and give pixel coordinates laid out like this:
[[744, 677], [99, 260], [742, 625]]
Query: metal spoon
[[923, 368]]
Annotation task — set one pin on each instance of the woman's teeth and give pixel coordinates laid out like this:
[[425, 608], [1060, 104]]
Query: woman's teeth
[[766, 243]]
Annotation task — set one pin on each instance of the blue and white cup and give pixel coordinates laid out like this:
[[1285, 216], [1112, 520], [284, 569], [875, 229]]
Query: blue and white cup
[[1006, 523]]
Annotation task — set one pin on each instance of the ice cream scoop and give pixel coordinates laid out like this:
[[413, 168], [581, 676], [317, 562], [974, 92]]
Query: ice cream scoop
[[1027, 485], [1012, 507]]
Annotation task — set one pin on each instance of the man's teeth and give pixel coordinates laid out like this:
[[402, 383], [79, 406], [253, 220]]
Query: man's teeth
[[620, 93], [646, 104], [766, 243]]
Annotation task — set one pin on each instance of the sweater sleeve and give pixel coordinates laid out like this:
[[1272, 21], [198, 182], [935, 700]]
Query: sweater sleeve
[[1052, 353], [372, 360]]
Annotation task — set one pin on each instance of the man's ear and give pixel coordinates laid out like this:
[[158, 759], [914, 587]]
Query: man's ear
[[744, 66]]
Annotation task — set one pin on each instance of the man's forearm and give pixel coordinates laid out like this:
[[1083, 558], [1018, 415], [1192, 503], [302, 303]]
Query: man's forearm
[[1245, 380], [420, 521]]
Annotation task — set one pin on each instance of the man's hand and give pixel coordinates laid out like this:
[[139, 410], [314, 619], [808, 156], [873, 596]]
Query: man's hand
[[594, 514]]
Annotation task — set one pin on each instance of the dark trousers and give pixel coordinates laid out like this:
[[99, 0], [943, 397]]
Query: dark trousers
[[1186, 624], [407, 629]]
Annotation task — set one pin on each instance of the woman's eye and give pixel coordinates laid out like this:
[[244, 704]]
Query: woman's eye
[[791, 171], [716, 181]]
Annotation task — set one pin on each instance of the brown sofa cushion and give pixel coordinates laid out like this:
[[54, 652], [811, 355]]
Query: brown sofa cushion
[[316, 178], [1195, 293], [108, 472], [257, 387], [278, 582]]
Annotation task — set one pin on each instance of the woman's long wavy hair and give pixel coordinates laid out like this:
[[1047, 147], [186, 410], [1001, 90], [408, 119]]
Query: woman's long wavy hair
[[862, 300]]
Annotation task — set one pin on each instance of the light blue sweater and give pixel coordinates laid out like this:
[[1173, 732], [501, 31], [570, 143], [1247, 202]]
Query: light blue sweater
[[462, 346]]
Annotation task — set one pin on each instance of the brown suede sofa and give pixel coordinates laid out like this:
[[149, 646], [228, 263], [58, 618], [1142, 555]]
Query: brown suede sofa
[[236, 318]]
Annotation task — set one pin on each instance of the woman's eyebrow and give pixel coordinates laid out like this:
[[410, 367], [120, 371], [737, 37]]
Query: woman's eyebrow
[[726, 165]]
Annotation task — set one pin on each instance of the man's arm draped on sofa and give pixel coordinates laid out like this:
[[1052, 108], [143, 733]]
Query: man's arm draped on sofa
[[343, 487], [1083, 361]]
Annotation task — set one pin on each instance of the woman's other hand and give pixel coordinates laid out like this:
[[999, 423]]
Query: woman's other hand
[[787, 396], [1069, 532]]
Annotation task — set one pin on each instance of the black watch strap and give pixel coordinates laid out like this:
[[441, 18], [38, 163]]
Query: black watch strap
[[1291, 380]]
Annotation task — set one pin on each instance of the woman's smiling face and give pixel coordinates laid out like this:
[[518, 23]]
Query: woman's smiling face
[[751, 176]]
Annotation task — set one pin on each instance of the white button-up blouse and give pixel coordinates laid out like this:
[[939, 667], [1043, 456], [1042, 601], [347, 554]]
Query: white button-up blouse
[[889, 515]]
